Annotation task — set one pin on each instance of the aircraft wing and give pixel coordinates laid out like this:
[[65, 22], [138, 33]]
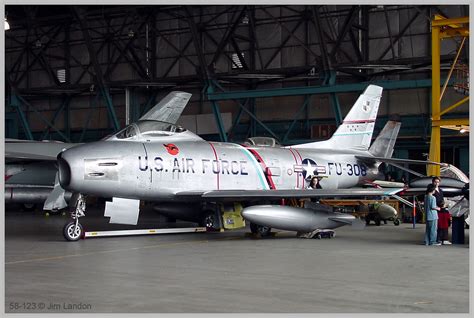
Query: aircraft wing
[[249, 195], [34, 150], [169, 109], [370, 159], [447, 191]]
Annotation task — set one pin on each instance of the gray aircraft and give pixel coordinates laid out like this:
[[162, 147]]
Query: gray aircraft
[[156, 160], [30, 170]]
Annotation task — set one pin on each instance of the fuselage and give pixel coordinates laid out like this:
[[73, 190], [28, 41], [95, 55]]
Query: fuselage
[[156, 170]]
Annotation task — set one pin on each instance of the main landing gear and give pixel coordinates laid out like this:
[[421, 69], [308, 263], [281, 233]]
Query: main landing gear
[[319, 234], [73, 230], [260, 229]]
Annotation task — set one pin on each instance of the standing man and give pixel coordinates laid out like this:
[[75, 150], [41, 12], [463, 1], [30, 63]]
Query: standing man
[[431, 211], [438, 194]]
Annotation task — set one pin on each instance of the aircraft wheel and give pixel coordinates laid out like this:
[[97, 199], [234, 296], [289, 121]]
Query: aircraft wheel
[[396, 222], [318, 236], [209, 220], [384, 221], [73, 233], [333, 234], [254, 228], [264, 230], [367, 220]]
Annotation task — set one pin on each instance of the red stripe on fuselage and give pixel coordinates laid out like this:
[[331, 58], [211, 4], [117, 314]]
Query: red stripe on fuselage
[[270, 182], [301, 160], [296, 173], [358, 121], [217, 160]]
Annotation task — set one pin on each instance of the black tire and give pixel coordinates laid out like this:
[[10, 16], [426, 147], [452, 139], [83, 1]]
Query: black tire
[[384, 221], [254, 228], [73, 235], [260, 229], [367, 221], [318, 236], [396, 222], [209, 220], [377, 222]]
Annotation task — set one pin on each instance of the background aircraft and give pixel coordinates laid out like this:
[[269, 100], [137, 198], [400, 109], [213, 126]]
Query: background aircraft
[[30, 170]]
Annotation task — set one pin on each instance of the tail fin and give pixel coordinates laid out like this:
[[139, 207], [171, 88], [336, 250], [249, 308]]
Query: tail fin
[[383, 145], [169, 109], [358, 126]]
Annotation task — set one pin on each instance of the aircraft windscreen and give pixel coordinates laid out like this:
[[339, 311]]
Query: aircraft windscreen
[[157, 128], [148, 128], [127, 132]]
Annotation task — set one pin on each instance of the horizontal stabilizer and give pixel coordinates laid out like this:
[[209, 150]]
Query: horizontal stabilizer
[[385, 141]]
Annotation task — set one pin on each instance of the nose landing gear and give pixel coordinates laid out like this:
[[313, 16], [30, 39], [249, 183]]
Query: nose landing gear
[[73, 230]]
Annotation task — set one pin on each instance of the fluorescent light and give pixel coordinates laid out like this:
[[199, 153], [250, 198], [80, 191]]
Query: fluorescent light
[[7, 25]]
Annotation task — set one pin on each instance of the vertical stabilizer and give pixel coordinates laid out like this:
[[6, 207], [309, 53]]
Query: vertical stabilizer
[[383, 145], [356, 130], [169, 109]]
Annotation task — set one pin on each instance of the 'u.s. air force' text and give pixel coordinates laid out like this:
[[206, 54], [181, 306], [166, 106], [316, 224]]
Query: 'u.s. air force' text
[[189, 165]]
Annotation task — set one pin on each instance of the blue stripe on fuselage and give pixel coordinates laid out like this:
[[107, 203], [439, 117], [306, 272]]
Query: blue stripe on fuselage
[[258, 169]]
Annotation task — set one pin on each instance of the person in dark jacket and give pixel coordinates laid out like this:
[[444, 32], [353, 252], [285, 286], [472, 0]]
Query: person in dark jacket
[[443, 225], [438, 194]]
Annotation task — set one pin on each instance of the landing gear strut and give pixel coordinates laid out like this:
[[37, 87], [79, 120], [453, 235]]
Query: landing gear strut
[[73, 231]]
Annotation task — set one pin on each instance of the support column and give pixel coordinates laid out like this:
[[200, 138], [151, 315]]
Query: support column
[[128, 114], [435, 141]]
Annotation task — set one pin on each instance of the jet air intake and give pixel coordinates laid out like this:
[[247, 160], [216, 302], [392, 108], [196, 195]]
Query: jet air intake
[[64, 171]]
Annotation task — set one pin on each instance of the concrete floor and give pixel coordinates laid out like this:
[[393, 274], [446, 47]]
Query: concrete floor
[[382, 269]]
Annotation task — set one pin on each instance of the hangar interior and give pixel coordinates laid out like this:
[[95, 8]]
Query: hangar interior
[[78, 73], [291, 72]]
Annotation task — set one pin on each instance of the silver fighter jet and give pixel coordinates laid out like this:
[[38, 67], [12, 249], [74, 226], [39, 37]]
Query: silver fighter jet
[[156, 160]]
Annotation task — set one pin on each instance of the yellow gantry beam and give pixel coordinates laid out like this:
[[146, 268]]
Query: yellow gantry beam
[[450, 122], [450, 108], [440, 21], [442, 28]]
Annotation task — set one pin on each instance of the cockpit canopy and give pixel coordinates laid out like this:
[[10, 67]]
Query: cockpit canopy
[[148, 128]]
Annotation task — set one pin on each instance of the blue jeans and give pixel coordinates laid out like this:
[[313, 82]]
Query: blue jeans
[[431, 232]]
